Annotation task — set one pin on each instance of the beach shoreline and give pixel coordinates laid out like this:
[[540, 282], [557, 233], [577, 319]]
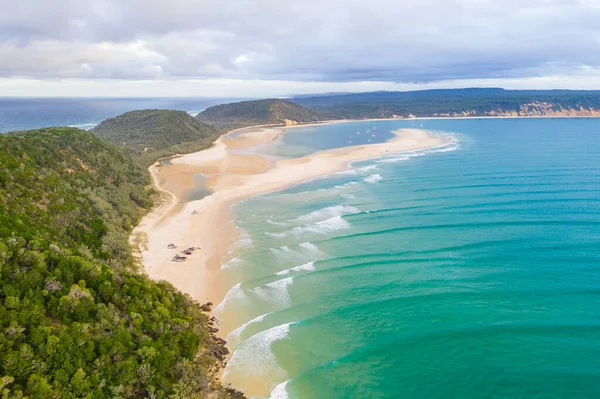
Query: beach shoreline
[[232, 177]]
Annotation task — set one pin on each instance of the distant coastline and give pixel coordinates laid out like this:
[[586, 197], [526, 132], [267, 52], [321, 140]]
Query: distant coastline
[[422, 118], [32, 113], [20, 114]]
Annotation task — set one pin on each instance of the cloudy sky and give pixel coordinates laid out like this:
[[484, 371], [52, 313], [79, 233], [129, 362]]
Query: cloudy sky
[[254, 48]]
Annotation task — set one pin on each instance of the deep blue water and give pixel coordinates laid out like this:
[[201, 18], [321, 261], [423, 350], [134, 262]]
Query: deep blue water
[[469, 273], [85, 113]]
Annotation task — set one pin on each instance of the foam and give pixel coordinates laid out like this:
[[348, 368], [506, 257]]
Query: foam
[[326, 213], [307, 267], [300, 193], [446, 149], [324, 227], [395, 159], [279, 195], [254, 359], [311, 248], [282, 251], [242, 240], [234, 337], [276, 223], [351, 183], [276, 292], [85, 126], [232, 262], [276, 235], [373, 178], [367, 168], [305, 253], [348, 196], [452, 146], [280, 391], [233, 292], [350, 172], [354, 172]]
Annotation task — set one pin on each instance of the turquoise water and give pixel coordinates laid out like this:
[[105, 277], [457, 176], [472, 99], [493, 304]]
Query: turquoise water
[[469, 271], [299, 141]]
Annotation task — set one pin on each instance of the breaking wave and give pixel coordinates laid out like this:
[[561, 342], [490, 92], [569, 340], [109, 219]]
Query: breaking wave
[[234, 337], [280, 391], [85, 126], [311, 248], [281, 250], [355, 171], [243, 240], [405, 156], [323, 227], [231, 263], [254, 359], [373, 178], [235, 291], [367, 168], [307, 267], [326, 213], [306, 252], [276, 292], [276, 223]]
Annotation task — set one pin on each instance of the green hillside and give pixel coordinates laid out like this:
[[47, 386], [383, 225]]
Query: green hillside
[[76, 320], [150, 134], [257, 112]]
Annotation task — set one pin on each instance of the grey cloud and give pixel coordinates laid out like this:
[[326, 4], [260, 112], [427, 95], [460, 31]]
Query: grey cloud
[[318, 40]]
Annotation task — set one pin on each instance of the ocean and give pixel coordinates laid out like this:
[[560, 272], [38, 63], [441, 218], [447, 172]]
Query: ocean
[[466, 271], [85, 113]]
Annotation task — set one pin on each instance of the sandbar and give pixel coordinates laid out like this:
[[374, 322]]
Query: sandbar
[[231, 177]]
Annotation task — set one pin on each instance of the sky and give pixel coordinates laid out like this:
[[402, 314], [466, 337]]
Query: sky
[[261, 48]]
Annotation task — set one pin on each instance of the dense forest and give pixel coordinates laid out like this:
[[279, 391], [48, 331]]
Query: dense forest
[[257, 112], [454, 102], [77, 320], [151, 134]]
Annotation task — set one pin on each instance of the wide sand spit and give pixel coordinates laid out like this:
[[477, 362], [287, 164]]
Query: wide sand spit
[[231, 177]]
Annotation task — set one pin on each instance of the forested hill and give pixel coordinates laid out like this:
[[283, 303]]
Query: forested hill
[[154, 133], [455, 103], [258, 112], [76, 319]]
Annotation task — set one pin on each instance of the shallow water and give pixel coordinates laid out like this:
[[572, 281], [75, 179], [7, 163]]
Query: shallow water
[[300, 141], [468, 271], [198, 189]]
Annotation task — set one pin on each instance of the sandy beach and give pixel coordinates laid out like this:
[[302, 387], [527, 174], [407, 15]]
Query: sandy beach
[[232, 177]]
